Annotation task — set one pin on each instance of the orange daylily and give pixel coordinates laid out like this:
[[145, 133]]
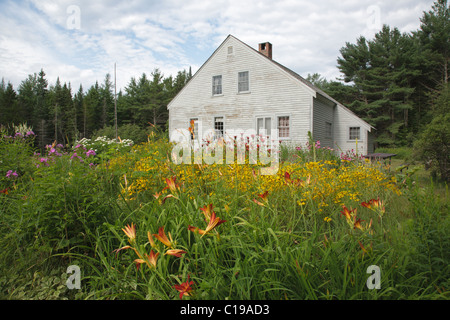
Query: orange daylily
[[175, 252], [161, 236], [375, 204], [288, 180], [139, 262], [130, 231], [367, 204], [171, 184], [5, 191], [152, 258], [213, 221], [196, 230], [362, 247], [150, 239], [264, 197], [185, 288], [123, 248], [357, 225], [207, 210], [349, 214]]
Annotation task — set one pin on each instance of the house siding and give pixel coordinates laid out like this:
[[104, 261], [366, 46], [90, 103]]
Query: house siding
[[323, 113], [272, 93], [343, 120]]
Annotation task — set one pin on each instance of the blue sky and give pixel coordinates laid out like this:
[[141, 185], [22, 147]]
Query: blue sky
[[80, 40]]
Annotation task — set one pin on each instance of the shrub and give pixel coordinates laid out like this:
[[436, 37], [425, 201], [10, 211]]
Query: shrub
[[16, 151], [131, 132]]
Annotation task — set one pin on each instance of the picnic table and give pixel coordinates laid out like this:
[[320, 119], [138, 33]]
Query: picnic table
[[380, 156]]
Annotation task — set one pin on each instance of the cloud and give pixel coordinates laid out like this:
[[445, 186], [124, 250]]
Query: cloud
[[81, 40]]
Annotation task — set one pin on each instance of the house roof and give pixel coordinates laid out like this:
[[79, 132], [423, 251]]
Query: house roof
[[289, 71], [306, 82]]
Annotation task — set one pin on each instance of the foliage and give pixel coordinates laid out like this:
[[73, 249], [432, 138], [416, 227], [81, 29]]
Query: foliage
[[141, 227], [103, 146], [131, 132], [17, 148], [433, 146]]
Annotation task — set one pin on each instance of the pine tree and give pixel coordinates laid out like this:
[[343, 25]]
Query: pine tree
[[434, 35], [381, 72], [8, 105]]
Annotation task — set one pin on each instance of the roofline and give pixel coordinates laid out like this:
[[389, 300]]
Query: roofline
[[201, 67], [293, 74]]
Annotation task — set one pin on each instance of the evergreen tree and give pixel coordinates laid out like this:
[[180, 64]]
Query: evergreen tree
[[381, 72], [27, 100], [93, 113], [107, 100], [80, 112], [434, 35], [8, 105], [41, 114]]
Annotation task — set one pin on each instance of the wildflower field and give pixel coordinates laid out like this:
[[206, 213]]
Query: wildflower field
[[139, 226]]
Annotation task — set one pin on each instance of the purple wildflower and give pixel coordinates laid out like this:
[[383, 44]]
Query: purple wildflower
[[90, 153], [11, 173]]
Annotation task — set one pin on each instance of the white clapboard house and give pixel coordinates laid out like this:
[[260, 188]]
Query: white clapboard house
[[239, 87]]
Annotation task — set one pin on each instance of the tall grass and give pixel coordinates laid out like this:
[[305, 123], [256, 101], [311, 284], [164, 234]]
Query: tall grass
[[290, 245]]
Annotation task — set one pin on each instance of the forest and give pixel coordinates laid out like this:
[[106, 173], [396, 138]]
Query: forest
[[397, 82], [57, 114]]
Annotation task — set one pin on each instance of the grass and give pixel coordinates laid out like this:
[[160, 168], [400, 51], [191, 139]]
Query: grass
[[291, 243]]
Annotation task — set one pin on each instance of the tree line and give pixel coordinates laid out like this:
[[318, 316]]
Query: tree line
[[55, 113], [392, 80]]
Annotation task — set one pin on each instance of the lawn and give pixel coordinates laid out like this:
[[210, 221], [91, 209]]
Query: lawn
[[139, 226]]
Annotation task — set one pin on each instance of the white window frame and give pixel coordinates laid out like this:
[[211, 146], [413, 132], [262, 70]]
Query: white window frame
[[264, 124], [223, 126], [214, 86], [289, 126], [248, 82], [350, 133]]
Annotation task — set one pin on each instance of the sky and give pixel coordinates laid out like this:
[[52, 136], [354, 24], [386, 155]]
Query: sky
[[80, 41]]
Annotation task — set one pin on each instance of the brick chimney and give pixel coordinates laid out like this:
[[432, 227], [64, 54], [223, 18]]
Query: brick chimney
[[266, 49]]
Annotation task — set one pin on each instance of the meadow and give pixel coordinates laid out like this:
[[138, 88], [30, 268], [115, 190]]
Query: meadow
[[139, 226]]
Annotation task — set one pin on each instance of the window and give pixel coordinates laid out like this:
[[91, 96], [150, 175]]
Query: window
[[355, 133], [264, 123], [217, 85], [230, 50], [193, 128], [328, 130], [243, 81], [218, 126], [283, 127]]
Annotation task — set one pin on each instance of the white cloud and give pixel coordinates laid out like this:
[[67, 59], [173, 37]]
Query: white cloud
[[172, 35]]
